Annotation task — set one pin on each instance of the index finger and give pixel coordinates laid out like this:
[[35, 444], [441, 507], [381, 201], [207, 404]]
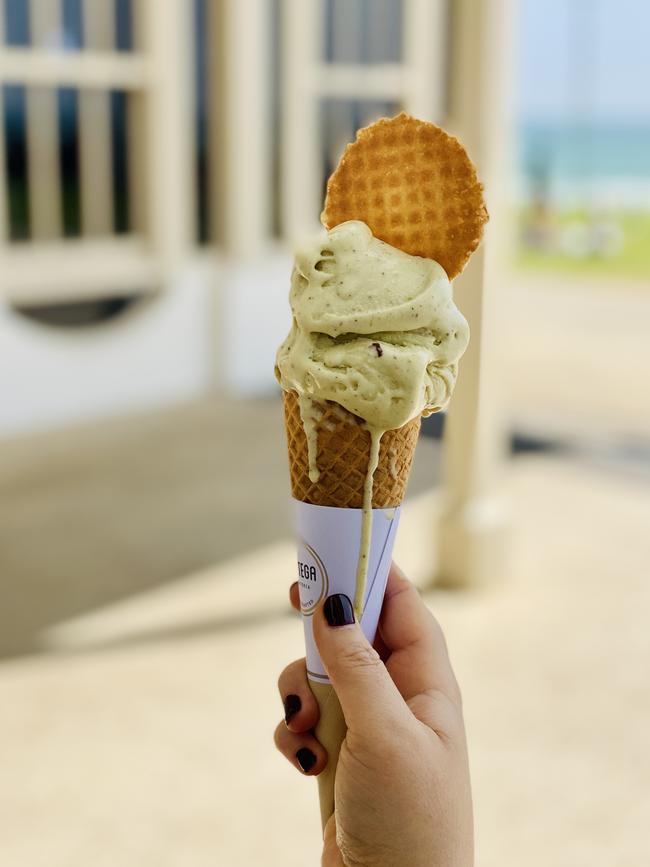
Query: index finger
[[419, 660]]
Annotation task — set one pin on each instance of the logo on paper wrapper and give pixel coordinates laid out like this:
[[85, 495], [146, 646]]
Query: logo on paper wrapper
[[312, 580], [337, 532]]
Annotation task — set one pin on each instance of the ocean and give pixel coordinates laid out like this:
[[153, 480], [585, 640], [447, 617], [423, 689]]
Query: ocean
[[579, 164]]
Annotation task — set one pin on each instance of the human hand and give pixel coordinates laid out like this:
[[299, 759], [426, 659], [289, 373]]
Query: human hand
[[402, 789]]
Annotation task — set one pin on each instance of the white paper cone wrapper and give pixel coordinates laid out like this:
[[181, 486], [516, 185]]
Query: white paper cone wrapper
[[329, 539]]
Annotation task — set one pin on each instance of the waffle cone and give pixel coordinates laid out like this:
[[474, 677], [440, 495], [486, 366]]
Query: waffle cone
[[343, 453]]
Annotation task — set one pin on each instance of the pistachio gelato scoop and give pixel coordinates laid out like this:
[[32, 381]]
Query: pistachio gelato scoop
[[374, 329]]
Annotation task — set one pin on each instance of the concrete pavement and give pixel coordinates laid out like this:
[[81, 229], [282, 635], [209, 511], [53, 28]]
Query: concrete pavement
[[134, 745]]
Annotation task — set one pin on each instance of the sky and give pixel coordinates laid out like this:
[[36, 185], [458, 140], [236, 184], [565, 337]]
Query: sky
[[584, 59]]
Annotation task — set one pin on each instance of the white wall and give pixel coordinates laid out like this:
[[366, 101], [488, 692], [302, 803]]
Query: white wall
[[156, 353], [219, 327], [254, 317]]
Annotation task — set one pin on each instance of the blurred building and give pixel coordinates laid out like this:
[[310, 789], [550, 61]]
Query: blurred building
[[157, 158], [161, 159]]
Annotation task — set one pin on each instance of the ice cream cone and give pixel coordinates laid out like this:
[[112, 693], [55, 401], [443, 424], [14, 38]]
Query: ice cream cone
[[374, 343], [343, 449]]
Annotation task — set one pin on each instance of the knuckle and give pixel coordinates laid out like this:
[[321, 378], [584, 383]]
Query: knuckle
[[361, 656], [443, 704], [278, 736], [436, 630], [295, 671], [456, 693], [446, 717]]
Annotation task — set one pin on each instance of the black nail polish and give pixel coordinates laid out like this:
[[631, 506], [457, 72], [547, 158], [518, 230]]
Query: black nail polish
[[338, 610], [292, 705], [306, 759]]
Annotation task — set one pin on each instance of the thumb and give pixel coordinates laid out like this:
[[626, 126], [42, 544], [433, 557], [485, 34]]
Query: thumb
[[369, 699]]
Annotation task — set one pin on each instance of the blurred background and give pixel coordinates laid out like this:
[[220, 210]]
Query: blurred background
[[158, 161]]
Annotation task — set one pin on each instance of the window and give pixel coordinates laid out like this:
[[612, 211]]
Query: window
[[96, 146], [346, 63], [117, 159]]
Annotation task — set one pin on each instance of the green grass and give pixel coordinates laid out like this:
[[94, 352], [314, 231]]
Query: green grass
[[632, 260]]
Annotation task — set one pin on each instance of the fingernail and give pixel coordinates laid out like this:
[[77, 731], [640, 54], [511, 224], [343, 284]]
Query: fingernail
[[306, 759], [292, 705], [338, 610]]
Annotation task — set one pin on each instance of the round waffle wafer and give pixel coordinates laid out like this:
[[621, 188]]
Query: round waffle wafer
[[414, 186]]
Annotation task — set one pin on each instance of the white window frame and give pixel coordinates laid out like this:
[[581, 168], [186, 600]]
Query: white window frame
[[418, 83], [242, 124], [48, 269], [252, 285]]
